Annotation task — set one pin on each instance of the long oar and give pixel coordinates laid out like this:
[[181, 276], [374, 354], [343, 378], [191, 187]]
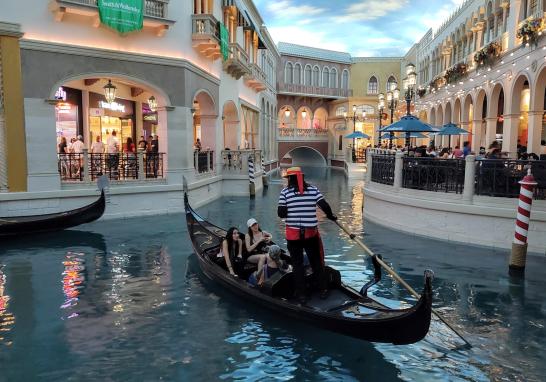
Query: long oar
[[397, 277]]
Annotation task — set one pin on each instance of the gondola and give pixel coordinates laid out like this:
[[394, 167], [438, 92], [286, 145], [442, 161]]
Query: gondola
[[22, 225], [344, 311]]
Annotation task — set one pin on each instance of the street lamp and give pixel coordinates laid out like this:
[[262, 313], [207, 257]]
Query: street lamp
[[356, 118], [393, 96], [409, 86], [381, 108]]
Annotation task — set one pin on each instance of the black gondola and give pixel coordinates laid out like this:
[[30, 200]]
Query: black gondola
[[19, 225], [345, 311]]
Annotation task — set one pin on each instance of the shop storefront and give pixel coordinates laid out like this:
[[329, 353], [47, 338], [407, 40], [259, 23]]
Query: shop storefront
[[68, 114]]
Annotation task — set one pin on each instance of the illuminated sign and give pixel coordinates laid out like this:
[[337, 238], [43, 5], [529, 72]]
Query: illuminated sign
[[63, 108], [114, 106], [60, 94]]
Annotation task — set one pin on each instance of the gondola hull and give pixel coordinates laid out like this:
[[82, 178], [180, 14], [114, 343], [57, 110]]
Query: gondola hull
[[24, 225], [339, 313]]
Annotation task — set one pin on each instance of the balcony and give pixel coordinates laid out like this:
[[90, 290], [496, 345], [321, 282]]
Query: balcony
[[314, 91], [205, 34], [301, 134], [237, 63], [155, 12], [256, 78]]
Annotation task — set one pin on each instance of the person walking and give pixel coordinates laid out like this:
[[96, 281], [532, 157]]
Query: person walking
[[298, 205]]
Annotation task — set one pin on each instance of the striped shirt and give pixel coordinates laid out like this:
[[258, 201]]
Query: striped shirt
[[302, 208]]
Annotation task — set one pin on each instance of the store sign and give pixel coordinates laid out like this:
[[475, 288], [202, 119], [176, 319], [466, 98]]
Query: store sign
[[122, 15], [96, 112], [150, 117], [60, 94], [64, 108], [114, 106]]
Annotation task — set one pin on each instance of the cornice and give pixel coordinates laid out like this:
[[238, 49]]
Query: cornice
[[46, 46], [10, 29]]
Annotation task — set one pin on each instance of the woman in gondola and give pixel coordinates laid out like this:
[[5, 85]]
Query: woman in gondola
[[232, 249], [256, 241]]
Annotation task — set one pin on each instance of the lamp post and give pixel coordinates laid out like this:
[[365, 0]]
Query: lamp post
[[381, 107], [409, 86], [355, 119], [393, 95]]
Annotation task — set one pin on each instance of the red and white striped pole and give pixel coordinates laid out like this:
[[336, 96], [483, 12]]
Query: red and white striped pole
[[519, 246]]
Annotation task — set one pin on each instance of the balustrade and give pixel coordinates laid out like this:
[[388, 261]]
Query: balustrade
[[203, 162], [298, 133], [236, 161]]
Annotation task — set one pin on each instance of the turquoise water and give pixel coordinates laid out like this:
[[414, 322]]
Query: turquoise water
[[124, 301]]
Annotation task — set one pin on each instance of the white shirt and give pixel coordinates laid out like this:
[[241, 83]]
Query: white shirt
[[97, 148], [78, 147], [543, 150], [113, 145]]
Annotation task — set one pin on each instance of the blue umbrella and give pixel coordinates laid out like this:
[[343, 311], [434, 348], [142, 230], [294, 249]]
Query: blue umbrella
[[357, 135], [451, 129], [412, 135], [408, 124]]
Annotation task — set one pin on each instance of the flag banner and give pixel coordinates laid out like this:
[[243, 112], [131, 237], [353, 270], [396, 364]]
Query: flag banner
[[122, 15], [224, 41]]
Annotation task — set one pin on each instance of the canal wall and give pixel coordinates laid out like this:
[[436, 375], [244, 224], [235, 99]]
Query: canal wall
[[485, 221], [128, 200]]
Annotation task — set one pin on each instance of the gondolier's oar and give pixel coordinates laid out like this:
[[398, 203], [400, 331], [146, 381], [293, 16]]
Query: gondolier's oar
[[397, 277]]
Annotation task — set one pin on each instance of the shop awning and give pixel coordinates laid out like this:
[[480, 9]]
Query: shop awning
[[252, 26]]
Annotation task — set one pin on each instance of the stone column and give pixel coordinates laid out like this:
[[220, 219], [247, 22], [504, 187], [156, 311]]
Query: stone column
[[179, 144], [477, 130], [490, 130], [369, 166], [398, 168], [469, 178], [510, 134], [140, 161], [87, 138], [534, 132], [139, 125]]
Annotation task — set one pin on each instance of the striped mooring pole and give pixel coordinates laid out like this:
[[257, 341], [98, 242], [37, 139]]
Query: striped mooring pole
[[265, 180], [252, 185], [519, 246]]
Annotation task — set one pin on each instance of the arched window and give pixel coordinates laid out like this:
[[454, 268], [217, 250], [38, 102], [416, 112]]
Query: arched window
[[297, 73], [316, 76], [288, 73], [373, 85], [345, 79], [307, 75], [333, 78], [340, 111], [325, 77], [391, 83], [368, 109]]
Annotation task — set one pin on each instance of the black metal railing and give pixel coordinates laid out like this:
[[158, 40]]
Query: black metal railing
[[153, 165], [500, 177], [359, 156], [70, 166], [203, 161], [383, 168], [431, 174]]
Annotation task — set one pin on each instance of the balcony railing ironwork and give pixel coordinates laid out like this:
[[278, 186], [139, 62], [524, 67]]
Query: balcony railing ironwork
[[299, 133], [383, 168], [203, 161], [432, 174], [315, 90], [500, 177], [121, 166]]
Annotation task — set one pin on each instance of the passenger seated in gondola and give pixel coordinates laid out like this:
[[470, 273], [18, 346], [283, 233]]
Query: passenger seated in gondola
[[268, 266], [256, 242], [232, 249]]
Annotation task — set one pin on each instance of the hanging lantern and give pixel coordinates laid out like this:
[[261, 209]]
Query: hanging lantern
[[152, 103], [304, 114], [110, 92], [287, 113]]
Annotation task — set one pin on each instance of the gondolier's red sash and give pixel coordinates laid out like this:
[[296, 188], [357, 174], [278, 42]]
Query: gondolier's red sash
[[293, 233]]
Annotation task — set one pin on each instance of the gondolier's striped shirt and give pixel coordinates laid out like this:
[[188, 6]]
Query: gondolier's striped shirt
[[302, 208]]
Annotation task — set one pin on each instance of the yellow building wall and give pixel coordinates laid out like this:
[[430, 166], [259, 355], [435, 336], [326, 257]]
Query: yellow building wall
[[13, 113]]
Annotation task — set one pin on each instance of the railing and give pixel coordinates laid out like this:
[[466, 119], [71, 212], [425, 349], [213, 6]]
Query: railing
[[203, 161], [121, 166], [500, 177], [302, 133], [236, 161], [257, 73], [152, 8], [383, 168], [236, 52], [205, 24], [431, 174], [315, 90]]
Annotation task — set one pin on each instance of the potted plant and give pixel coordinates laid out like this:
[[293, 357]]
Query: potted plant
[[530, 31], [455, 73]]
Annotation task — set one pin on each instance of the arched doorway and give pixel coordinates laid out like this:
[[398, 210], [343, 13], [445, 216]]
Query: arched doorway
[[204, 120], [287, 117], [496, 112], [537, 115], [230, 118], [517, 127]]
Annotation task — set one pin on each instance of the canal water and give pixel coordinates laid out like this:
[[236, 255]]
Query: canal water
[[124, 301]]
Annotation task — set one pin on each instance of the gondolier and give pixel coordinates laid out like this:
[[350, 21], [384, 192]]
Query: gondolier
[[298, 205]]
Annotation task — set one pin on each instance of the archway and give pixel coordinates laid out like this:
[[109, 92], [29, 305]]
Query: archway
[[537, 120], [286, 117], [230, 117], [304, 118], [306, 156], [517, 127], [483, 135], [204, 120], [319, 118]]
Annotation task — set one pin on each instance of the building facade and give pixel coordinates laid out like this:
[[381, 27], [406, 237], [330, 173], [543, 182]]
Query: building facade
[[199, 69]]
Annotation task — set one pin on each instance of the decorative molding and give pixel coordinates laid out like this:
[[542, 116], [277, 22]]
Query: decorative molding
[[10, 29]]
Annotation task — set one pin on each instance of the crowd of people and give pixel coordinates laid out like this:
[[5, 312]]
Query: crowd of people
[[298, 203]]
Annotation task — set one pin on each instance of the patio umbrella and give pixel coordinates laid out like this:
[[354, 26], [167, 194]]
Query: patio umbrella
[[409, 124], [450, 129], [412, 135], [357, 135]]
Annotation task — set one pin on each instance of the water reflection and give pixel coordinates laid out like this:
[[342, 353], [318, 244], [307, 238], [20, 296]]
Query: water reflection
[[7, 320], [73, 280]]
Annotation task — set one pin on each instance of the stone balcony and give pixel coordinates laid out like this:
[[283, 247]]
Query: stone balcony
[[256, 78], [205, 35], [314, 91], [155, 12], [237, 64], [301, 134]]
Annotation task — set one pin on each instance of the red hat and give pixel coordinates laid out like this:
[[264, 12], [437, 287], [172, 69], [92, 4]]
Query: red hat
[[296, 171]]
